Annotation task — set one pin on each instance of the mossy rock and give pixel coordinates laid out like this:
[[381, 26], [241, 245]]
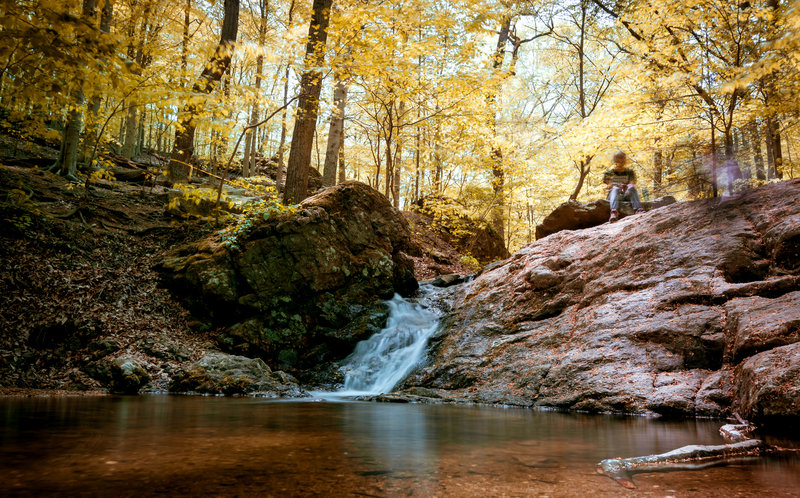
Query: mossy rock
[[127, 376]]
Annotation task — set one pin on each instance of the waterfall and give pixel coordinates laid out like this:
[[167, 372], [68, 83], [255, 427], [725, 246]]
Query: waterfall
[[379, 363]]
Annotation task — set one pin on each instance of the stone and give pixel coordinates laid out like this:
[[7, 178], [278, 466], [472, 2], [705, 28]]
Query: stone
[[646, 315], [447, 280], [102, 347], [127, 376], [576, 215], [768, 385], [300, 279], [758, 323], [219, 373]]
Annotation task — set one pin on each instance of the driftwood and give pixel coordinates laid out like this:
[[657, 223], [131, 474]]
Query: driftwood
[[687, 457], [736, 432]]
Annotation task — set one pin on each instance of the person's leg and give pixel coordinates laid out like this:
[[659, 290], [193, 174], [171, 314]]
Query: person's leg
[[613, 198], [633, 194]]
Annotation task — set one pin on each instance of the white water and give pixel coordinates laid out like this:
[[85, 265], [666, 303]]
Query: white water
[[379, 363]]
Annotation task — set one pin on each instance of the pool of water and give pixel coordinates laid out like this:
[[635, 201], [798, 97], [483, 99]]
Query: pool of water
[[159, 444]]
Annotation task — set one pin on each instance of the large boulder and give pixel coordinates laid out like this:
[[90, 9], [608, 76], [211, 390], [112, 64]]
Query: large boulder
[[690, 309], [219, 373], [575, 215], [302, 288], [769, 384], [127, 376]]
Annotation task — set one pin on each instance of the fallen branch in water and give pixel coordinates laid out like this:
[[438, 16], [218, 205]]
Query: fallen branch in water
[[737, 432], [620, 469]]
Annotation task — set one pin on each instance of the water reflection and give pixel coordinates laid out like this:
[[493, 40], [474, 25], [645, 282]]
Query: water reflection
[[192, 445]]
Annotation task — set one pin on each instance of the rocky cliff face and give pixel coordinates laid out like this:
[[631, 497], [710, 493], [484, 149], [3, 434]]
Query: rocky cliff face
[[303, 288], [689, 309]]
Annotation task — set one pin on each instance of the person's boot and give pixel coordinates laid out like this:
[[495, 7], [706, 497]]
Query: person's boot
[[614, 216]]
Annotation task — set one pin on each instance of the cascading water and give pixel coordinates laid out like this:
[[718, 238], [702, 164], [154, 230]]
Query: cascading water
[[386, 358]]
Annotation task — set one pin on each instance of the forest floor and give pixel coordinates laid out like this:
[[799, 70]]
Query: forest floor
[[77, 277]]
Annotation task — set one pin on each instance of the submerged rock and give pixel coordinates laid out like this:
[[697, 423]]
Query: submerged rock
[[299, 281], [690, 309], [219, 373]]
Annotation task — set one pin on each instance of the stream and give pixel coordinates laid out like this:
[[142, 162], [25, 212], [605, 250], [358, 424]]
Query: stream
[[193, 445], [205, 445]]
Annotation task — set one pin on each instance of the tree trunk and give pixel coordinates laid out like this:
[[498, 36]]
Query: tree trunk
[[90, 137], [744, 154], [732, 171], [250, 139], [248, 143], [714, 191], [279, 178], [758, 159], [129, 143], [183, 150], [308, 105], [658, 169], [583, 171], [67, 162], [438, 172], [342, 172], [496, 154], [775, 147], [398, 154], [185, 41], [335, 133], [417, 140], [388, 136]]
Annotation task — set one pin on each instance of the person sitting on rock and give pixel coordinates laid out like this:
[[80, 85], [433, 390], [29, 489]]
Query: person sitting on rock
[[621, 183]]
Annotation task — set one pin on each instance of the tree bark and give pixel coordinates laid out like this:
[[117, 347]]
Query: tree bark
[[308, 105], [342, 172], [90, 137], [774, 148], [714, 190], [185, 41], [496, 154], [583, 171], [758, 159], [67, 162], [398, 153], [388, 134], [250, 137], [183, 149], [658, 170], [332, 153]]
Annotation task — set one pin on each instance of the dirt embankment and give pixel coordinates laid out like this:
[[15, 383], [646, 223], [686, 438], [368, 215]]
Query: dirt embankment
[[77, 285]]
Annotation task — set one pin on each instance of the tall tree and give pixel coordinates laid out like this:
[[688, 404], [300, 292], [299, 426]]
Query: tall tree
[[250, 137], [67, 162], [308, 105], [183, 149], [335, 139]]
